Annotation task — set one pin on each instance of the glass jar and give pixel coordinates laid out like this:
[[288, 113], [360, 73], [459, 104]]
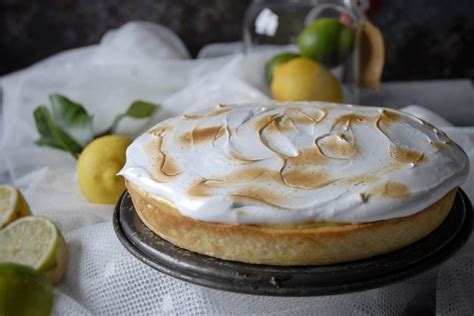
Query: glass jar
[[277, 24]]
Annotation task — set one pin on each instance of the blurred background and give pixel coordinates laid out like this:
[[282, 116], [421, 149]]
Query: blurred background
[[424, 39]]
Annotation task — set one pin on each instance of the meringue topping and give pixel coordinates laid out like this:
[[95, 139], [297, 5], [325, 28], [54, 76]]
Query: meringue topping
[[296, 163]]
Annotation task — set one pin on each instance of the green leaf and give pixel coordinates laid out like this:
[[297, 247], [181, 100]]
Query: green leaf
[[68, 142], [42, 117], [51, 135], [141, 109], [48, 143], [72, 119]]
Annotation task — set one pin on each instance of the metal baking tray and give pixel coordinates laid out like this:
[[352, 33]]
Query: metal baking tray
[[360, 275]]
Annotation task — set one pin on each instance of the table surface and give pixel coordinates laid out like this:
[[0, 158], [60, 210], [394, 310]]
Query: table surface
[[452, 99]]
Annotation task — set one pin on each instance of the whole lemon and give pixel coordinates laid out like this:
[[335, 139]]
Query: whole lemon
[[97, 168], [303, 79]]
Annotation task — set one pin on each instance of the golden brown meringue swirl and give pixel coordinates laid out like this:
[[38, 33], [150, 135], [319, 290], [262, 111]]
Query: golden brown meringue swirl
[[296, 163]]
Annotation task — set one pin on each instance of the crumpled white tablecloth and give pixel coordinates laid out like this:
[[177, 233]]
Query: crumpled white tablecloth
[[146, 61]]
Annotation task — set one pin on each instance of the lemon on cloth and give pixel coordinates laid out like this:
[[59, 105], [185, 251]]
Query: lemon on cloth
[[97, 168], [35, 242], [326, 40], [303, 79], [24, 291], [12, 205]]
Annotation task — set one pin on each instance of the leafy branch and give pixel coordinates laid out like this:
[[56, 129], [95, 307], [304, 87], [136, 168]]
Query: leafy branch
[[69, 127]]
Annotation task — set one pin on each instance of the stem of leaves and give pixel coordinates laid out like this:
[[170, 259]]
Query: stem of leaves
[[70, 126], [113, 128]]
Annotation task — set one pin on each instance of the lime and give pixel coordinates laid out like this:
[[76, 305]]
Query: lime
[[12, 205], [326, 40], [275, 60], [24, 291], [97, 168], [35, 242], [304, 79]]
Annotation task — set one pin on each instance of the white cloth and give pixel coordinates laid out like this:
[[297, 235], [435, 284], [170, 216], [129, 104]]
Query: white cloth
[[146, 61]]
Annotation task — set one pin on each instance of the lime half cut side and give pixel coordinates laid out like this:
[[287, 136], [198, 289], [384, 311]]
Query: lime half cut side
[[30, 241], [12, 205]]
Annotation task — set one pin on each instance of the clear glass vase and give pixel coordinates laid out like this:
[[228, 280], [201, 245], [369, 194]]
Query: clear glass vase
[[277, 24]]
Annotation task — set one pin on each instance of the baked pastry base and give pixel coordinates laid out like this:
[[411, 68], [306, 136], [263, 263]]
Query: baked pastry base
[[286, 245]]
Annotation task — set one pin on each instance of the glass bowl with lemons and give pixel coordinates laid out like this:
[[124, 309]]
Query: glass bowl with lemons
[[325, 50]]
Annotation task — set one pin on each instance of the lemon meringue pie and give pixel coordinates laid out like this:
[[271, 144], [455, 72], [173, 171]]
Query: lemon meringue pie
[[293, 183]]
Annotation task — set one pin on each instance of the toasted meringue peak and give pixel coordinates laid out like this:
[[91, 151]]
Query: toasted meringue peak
[[295, 163]]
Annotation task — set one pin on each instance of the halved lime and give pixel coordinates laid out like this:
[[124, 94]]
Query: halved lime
[[24, 291], [371, 55], [30, 241], [12, 205]]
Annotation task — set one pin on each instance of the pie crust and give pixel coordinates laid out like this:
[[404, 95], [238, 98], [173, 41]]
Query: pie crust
[[316, 243]]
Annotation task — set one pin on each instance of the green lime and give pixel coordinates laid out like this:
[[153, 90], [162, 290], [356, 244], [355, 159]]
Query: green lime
[[24, 291], [326, 40], [275, 60]]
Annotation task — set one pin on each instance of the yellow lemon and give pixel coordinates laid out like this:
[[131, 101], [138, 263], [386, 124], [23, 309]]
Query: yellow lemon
[[97, 168], [12, 205], [303, 79]]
